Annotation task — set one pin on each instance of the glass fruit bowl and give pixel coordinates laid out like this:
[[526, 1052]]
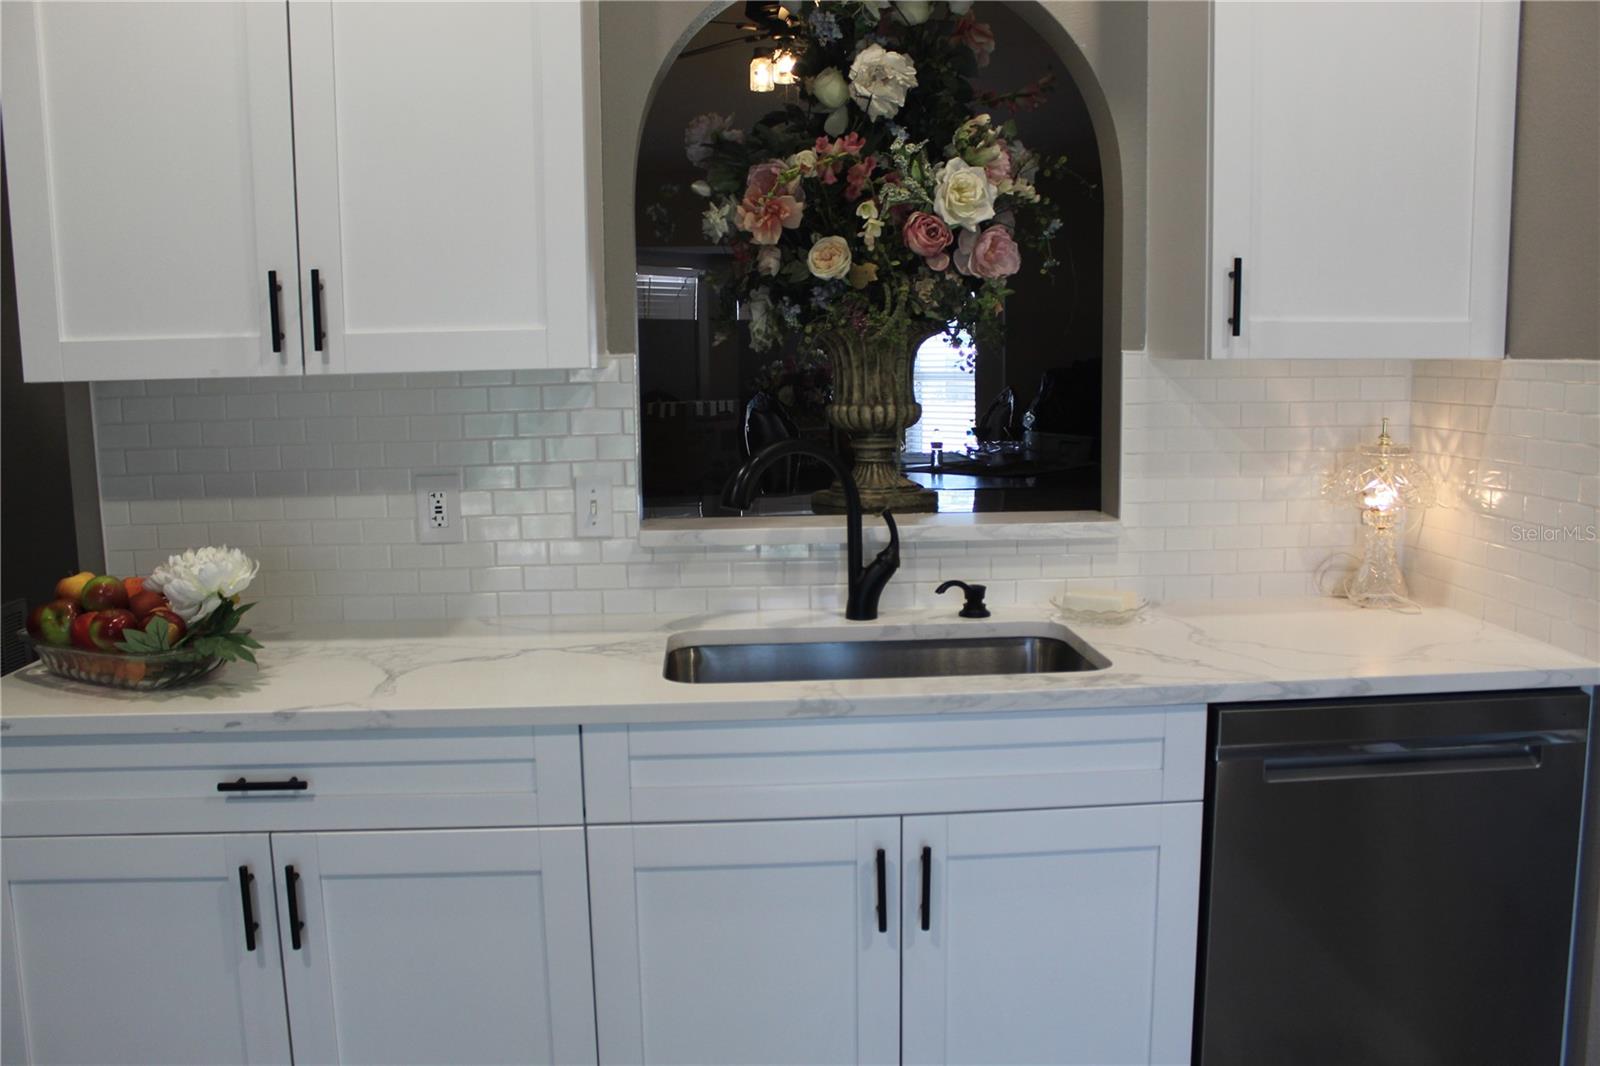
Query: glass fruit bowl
[[121, 670]]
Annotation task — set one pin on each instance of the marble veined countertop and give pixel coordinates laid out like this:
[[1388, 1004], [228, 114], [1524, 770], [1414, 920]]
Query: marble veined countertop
[[602, 670]]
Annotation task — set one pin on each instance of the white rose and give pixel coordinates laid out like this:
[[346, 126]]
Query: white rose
[[962, 195], [768, 259], [914, 12], [829, 258], [879, 80], [196, 582], [830, 89]]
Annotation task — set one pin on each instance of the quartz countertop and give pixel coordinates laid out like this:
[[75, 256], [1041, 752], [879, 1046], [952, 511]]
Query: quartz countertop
[[521, 671]]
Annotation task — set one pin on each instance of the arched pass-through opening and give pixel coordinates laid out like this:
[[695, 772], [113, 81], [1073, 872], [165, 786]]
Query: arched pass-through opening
[[1067, 328]]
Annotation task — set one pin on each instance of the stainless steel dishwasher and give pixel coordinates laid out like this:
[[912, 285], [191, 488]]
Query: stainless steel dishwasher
[[1391, 880]]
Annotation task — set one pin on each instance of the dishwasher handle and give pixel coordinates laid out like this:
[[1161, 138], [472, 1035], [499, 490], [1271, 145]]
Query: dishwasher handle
[[1403, 761]]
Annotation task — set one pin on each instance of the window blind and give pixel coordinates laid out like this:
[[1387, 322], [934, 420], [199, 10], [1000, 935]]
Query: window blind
[[946, 391]]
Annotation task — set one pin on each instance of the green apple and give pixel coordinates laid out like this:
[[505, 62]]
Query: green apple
[[52, 622]]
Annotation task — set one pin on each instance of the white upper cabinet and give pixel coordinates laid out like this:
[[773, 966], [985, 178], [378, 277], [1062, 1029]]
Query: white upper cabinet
[[437, 155], [150, 165], [1359, 176], [440, 161]]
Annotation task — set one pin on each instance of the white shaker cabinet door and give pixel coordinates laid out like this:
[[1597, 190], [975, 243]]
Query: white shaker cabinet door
[[753, 942], [460, 946], [135, 950], [150, 167], [1051, 936], [1361, 160], [443, 188]]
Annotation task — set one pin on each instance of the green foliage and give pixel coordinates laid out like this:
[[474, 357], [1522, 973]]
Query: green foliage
[[217, 636]]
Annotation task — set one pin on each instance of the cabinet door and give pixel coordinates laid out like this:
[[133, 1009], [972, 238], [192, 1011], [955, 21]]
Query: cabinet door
[[445, 946], [151, 173], [1052, 936], [1362, 173], [443, 186], [747, 942], [135, 950]]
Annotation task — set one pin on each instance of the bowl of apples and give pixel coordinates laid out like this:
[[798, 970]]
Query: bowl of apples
[[140, 633]]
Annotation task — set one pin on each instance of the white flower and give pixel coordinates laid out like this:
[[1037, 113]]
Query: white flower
[[915, 12], [962, 194], [768, 259], [703, 131], [714, 222], [879, 80], [197, 582], [805, 160], [829, 258], [960, 7], [765, 329], [700, 188], [872, 223], [830, 88]]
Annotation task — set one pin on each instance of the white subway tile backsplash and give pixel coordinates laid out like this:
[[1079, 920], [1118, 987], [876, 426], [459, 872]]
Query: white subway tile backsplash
[[1222, 470]]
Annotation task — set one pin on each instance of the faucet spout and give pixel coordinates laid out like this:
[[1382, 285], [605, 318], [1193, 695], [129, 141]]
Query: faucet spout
[[866, 583]]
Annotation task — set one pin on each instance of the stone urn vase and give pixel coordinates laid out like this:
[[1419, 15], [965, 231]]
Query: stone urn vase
[[874, 404]]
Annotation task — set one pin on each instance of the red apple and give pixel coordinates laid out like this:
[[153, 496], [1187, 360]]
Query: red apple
[[52, 622], [167, 614], [103, 592], [80, 630], [143, 602], [106, 629]]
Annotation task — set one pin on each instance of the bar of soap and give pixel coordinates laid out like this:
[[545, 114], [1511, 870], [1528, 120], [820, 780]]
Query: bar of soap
[[1099, 600]]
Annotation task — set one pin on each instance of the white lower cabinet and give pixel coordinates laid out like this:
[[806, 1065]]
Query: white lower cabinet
[[1053, 936], [748, 942], [135, 950], [439, 946], [393, 947]]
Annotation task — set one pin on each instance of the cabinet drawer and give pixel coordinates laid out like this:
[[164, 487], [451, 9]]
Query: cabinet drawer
[[870, 766], [353, 780]]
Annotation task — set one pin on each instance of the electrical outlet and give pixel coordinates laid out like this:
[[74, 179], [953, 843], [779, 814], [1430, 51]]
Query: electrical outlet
[[439, 508], [594, 506]]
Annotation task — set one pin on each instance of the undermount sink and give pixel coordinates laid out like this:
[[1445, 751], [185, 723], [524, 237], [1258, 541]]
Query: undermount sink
[[853, 660]]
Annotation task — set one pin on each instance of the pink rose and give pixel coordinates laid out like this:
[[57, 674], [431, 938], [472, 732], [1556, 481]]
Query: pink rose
[[926, 235], [990, 254], [976, 36], [762, 180]]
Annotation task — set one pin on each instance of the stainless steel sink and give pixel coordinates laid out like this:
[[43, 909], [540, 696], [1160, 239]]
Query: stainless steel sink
[[849, 660]]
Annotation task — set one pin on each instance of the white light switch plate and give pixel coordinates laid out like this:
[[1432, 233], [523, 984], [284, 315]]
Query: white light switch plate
[[594, 507], [439, 508]]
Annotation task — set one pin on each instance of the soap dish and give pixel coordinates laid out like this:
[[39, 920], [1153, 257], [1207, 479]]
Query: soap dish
[[1100, 618]]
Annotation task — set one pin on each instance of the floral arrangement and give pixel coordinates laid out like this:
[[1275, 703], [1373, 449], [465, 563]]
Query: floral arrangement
[[202, 587], [886, 197], [801, 383]]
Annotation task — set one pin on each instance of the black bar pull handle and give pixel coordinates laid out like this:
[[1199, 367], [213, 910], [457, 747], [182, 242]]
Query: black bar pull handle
[[1237, 274], [883, 891], [291, 889], [294, 784], [1458, 759], [249, 908], [319, 335], [274, 311], [927, 886]]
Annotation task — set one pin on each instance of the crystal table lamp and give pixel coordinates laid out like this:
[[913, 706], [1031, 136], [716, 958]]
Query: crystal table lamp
[[1384, 479]]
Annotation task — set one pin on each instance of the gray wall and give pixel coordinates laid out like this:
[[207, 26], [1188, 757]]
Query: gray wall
[[1555, 202]]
